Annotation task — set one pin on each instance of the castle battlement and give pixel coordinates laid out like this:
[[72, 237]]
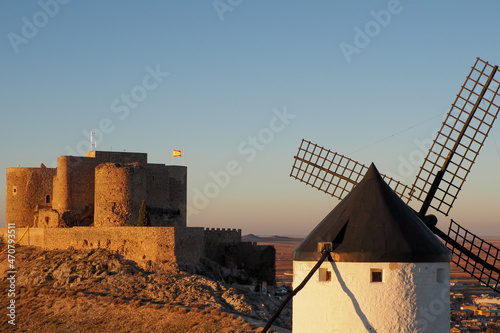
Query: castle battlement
[[222, 235], [223, 229]]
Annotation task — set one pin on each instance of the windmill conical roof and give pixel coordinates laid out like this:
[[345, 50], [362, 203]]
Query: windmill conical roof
[[373, 224]]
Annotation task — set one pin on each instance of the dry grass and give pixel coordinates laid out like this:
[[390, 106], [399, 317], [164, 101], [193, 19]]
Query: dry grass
[[56, 311], [47, 301]]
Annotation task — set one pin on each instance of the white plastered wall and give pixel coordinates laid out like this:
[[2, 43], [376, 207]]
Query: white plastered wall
[[413, 297]]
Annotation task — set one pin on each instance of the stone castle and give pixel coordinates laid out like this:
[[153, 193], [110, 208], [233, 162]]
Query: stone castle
[[94, 202], [100, 189]]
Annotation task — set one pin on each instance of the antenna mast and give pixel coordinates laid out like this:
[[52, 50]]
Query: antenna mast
[[93, 143]]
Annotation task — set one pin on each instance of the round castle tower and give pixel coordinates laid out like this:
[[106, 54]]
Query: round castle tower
[[27, 191], [119, 191], [389, 272]]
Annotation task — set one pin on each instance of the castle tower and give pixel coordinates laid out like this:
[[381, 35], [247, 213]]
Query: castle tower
[[389, 272], [28, 191], [119, 191]]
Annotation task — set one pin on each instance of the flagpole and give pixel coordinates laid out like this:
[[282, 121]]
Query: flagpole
[[172, 157], [183, 157]]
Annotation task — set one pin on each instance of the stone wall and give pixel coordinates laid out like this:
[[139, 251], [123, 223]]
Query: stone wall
[[217, 242], [61, 186], [150, 245], [167, 190], [117, 157], [75, 195], [224, 246], [141, 244], [222, 236], [74, 190], [177, 189], [121, 188], [119, 191], [46, 218], [189, 244], [74, 184], [27, 190]]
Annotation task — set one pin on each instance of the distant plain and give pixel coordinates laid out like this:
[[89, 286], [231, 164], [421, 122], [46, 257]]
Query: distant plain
[[284, 258]]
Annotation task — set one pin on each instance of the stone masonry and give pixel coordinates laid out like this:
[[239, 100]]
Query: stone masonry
[[143, 245], [94, 202], [100, 189]]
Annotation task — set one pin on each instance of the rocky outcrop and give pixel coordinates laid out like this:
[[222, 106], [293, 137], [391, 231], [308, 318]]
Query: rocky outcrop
[[98, 272]]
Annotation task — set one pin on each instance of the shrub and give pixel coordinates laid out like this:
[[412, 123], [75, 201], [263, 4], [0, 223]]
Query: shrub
[[143, 220]]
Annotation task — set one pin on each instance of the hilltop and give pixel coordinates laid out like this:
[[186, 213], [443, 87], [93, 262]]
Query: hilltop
[[268, 239], [97, 290]]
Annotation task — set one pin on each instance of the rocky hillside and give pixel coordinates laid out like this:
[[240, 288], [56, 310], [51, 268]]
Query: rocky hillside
[[96, 291]]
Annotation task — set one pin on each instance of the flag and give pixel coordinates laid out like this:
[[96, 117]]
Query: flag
[[176, 153]]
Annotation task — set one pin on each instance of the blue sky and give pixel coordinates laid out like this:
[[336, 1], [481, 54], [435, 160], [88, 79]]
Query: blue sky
[[236, 85]]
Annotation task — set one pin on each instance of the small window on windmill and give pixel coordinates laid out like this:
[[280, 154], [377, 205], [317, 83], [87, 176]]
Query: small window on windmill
[[440, 276], [376, 275], [325, 275]]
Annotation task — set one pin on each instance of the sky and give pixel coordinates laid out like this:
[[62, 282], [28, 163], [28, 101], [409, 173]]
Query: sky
[[236, 85]]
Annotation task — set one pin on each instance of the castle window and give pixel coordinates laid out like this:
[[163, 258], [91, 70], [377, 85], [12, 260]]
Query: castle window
[[376, 275], [47, 220], [14, 190], [325, 275], [47, 199]]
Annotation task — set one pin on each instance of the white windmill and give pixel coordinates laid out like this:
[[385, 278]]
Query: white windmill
[[374, 264]]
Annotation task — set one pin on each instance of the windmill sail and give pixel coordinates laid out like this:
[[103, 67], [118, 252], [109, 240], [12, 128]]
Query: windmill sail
[[474, 255], [441, 176], [459, 140], [333, 173]]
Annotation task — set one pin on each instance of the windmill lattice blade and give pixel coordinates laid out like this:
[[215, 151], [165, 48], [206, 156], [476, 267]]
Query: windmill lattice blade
[[486, 272], [460, 138], [333, 173]]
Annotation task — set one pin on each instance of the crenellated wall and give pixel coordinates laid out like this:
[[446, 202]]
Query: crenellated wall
[[222, 236], [224, 246], [218, 241]]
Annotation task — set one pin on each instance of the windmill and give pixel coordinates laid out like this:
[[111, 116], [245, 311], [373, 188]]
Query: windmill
[[441, 176]]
